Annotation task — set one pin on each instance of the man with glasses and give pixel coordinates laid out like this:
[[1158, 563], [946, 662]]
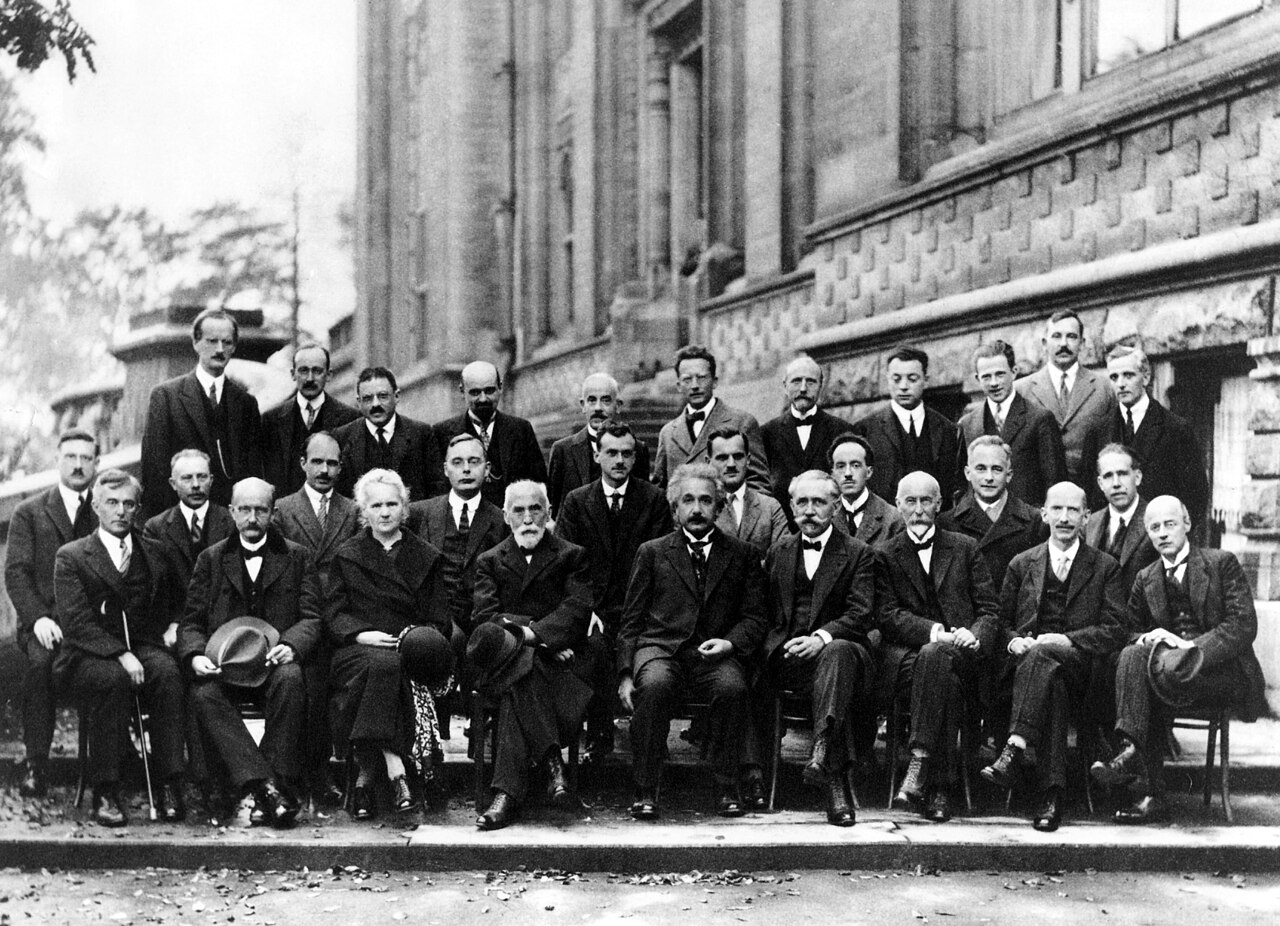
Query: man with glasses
[[309, 410]]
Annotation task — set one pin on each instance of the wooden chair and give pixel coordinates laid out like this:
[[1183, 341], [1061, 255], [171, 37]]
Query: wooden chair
[[484, 710], [968, 747], [790, 707], [1215, 721]]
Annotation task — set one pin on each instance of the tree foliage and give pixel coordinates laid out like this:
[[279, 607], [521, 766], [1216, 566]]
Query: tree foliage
[[31, 32]]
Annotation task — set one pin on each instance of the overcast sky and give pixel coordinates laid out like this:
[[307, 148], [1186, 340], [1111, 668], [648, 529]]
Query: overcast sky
[[194, 102]]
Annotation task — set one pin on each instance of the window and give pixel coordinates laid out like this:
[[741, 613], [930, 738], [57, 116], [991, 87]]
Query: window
[[1123, 30]]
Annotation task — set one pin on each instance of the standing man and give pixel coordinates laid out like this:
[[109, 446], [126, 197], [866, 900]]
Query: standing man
[[939, 618], [573, 458], [40, 525], [1061, 607], [1030, 432], [609, 519], [693, 619], [203, 410], [1173, 463], [254, 573], [861, 513], [685, 437], [385, 439], [905, 436], [113, 651], [510, 445], [1192, 626], [800, 438], [310, 409], [1077, 397], [751, 516]]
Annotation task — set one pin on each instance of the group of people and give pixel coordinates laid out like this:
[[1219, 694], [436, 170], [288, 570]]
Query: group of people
[[347, 571]]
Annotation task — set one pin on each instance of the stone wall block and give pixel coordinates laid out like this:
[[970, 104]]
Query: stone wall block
[[1190, 320], [1066, 168], [883, 231], [1162, 137], [931, 239], [1088, 246], [868, 259], [1022, 236], [1190, 222], [1138, 235], [1023, 182], [1262, 457], [917, 221], [842, 267], [1250, 143], [1111, 211], [1004, 216], [1089, 189], [1261, 507], [984, 249], [855, 241], [1188, 157], [1111, 153], [1066, 225], [1264, 417], [966, 228]]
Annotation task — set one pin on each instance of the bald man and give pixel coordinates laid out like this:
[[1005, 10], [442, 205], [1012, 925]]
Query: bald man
[[573, 458], [1062, 605], [510, 444]]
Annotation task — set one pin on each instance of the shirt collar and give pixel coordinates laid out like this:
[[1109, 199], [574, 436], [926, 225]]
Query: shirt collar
[[112, 543], [316, 496], [821, 538], [315, 403], [253, 547], [1070, 373], [388, 429], [620, 490], [689, 538], [479, 425], [1057, 556], [71, 498], [906, 417], [1179, 559], [806, 416], [207, 380], [1002, 409], [188, 513], [706, 409], [457, 502], [1127, 514], [927, 534], [858, 502], [1139, 409], [998, 504]]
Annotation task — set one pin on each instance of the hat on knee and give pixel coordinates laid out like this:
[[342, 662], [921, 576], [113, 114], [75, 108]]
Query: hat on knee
[[498, 657], [1170, 669], [425, 656]]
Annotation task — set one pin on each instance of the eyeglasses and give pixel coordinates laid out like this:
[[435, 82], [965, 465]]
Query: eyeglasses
[[383, 397]]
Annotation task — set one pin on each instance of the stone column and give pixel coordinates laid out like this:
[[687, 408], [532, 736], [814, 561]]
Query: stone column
[[657, 167], [1260, 518]]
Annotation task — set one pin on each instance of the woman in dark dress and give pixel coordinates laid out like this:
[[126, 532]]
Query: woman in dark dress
[[383, 581]]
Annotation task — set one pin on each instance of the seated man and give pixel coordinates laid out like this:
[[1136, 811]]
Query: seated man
[[113, 650], [254, 573], [537, 586], [1061, 607], [939, 615], [822, 605], [693, 618], [1192, 624]]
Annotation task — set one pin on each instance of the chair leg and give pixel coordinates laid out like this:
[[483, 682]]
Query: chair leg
[[1208, 761], [891, 750], [82, 756], [477, 749], [775, 743], [1226, 767], [573, 760]]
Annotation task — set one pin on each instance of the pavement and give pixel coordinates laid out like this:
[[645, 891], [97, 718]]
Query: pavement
[[600, 836]]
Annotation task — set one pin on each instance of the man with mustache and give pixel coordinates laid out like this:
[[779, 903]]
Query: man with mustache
[[40, 525], [573, 458], [1078, 397], [510, 445], [861, 513], [203, 410], [310, 409], [385, 439]]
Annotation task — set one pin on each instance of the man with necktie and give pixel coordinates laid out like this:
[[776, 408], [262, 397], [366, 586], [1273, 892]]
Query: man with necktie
[[861, 513], [573, 458], [751, 516]]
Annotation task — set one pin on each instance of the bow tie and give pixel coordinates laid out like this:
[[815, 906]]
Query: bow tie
[[252, 554], [815, 545], [802, 422], [696, 416], [697, 546], [922, 544]]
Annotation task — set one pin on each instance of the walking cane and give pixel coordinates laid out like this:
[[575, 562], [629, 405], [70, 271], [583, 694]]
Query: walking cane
[[142, 731]]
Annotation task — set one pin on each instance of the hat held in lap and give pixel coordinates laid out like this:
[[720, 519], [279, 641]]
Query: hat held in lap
[[239, 648]]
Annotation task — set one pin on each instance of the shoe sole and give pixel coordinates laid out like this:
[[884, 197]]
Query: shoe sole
[[991, 776], [1107, 777]]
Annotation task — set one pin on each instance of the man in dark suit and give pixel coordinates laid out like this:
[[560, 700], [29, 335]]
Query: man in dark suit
[[751, 516], [256, 573], [939, 616], [113, 651], [1031, 432], [610, 518], [40, 525], [1078, 397], [1192, 626], [905, 436], [800, 438], [573, 458], [1118, 528], [822, 610], [321, 520], [693, 619], [538, 586], [310, 409], [203, 410], [861, 513], [385, 439], [684, 438], [1061, 607], [1172, 461], [510, 445]]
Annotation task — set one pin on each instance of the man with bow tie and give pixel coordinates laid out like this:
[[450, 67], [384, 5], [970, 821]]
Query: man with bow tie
[[860, 513], [573, 458]]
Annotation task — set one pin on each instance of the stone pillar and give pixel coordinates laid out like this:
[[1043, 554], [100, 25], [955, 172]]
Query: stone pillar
[[658, 167], [1260, 518]]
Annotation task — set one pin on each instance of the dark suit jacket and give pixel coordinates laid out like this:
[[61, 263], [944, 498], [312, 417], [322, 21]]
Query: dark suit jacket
[[369, 590], [38, 528], [1222, 602], [763, 522], [431, 521], [1019, 527], [551, 594], [1092, 400], [880, 521], [284, 430], [1172, 461], [663, 611], [1036, 441], [176, 556], [415, 455], [178, 418], [676, 448], [1094, 614], [887, 439], [844, 591], [1137, 552], [296, 520], [513, 453], [787, 459], [573, 465], [584, 519], [290, 588]]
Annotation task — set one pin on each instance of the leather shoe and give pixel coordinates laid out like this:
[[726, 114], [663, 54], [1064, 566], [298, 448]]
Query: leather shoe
[[402, 796], [912, 787], [728, 803], [939, 809], [557, 781], [1049, 813], [108, 808], [1003, 772], [1148, 809], [328, 795], [839, 810], [173, 808], [278, 808], [362, 805], [1126, 767], [501, 812], [33, 783], [753, 794], [815, 770], [645, 806], [219, 805]]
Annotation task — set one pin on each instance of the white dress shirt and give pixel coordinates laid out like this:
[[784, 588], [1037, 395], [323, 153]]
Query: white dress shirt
[[457, 503], [905, 418], [254, 566], [206, 380], [72, 500], [114, 547], [388, 429]]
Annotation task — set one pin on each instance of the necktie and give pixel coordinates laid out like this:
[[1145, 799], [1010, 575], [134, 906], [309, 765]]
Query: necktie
[[911, 427], [382, 447], [78, 523], [311, 415], [213, 393], [697, 552], [1171, 573], [124, 556], [815, 545], [1063, 567], [615, 503], [999, 419], [854, 518], [1128, 426], [1064, 394], [464, 519], [196, 534], [735, 505], [324, 509], [1117, 539], [482, 432]]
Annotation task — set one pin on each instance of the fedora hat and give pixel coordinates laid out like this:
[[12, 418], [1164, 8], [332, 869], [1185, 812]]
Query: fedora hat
[[425, 655], [1170, 669], [239, 648], [498, 657]]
